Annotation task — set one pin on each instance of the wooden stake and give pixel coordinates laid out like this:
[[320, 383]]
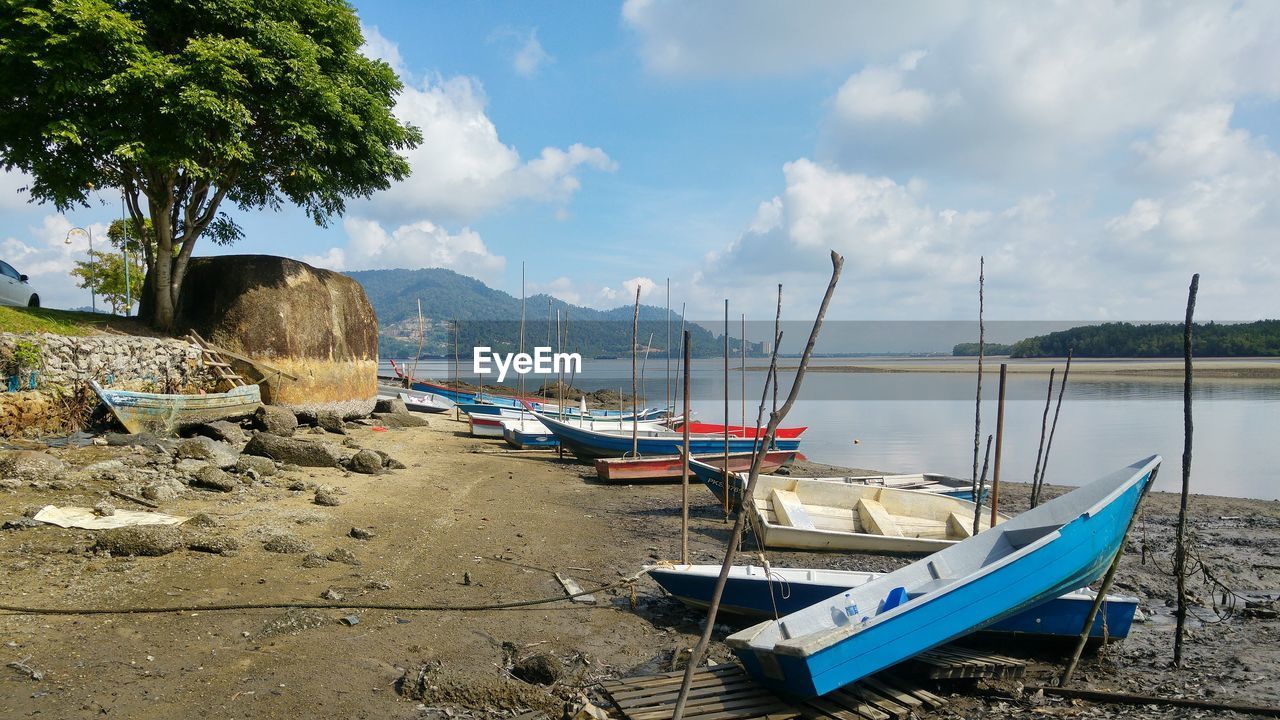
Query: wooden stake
[[635, 330], [684, 470], [1044, 425], [777, 333], [977, 407], [725, 466], [977, 494], [735, 538], [522, 292], [1062, 391], [742, 373], [1180, 552], [670, 401], [1106, 585], [995, 472]]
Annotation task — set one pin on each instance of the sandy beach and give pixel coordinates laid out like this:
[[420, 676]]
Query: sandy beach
[[469, 523]]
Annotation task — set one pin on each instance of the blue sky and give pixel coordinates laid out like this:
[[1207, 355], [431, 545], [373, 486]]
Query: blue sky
[[1097, 153]]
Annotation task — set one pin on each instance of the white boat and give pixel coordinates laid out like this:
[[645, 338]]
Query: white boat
[[415, 401], [820, 515]]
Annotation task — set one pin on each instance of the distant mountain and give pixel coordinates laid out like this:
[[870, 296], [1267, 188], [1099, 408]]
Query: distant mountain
[[492, 317]]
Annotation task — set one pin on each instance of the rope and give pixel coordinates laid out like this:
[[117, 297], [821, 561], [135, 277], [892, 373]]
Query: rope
[[143, 609]]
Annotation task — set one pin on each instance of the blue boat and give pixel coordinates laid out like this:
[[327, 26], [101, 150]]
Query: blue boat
[[590, 444], [1065, 544], [523, 412], [713, 478], [756, 592]]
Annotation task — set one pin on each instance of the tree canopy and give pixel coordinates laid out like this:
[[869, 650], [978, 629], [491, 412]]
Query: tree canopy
[[183, 104]]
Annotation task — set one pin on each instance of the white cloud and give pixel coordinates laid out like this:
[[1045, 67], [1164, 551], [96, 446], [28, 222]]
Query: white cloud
[[12, 193], [561, 288], [47, 258], [877, 93], [531, 57], [645, 285], [415, 245], [378, 47], [462, 169]]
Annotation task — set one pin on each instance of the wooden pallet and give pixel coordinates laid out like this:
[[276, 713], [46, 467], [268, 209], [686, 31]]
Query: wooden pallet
[[726, 692], [952, 661]]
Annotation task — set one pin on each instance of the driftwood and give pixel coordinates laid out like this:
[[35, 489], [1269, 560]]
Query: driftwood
[[1180, 552], [736, 538]]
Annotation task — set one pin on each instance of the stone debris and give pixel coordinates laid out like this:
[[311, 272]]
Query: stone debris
[[361, 533], [142, 540], [399, 420], [264, 467], [220, 430], [390, 463], [211, 478], [104, 509], [275, 420], [211, 451], [296, 451], [202, 520], [286, 543], [331, 422], [367, 462], [394, 406], [210, 543], [327, 497], [31, 466], [331, 594], [342, 555], [21, 523], [313, 560]]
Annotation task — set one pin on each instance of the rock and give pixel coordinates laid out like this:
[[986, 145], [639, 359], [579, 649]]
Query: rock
[[219, 430], [188, 466], [331, 421], [293, 450], [202, 448], [211, 478], [389, 462], [342, 555], [366, 461], [361, 533], [127, 439], [21, 523], [104, 509], [313, 560], [202, 520], [395, 406], [264, 467], [350, 442], [286, 544], [396, 420], [217, 544], [327, 497], [10, 483], [31, 466], [331, 594], [275, 420], [297, 486], [166, 489], [145, 540], [540, 669]]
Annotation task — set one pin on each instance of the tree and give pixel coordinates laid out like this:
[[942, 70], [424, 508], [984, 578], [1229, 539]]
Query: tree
[[183, 104], [104, 272]]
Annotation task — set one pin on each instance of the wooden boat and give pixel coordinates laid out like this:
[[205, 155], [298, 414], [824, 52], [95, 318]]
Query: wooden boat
[[788, 433], [160, 413], [754, 592], [590, 444], [415, 401], [1064, 544], [485, 426], [529, 433], [574, 415], [713, 478], [669, 467]]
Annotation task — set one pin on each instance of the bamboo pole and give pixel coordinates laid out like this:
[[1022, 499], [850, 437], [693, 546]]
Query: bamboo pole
[[742, 373], [735, 539], [1180, 553], [635, 330], [1044, 425], [1106, 585], [995, 472], [1053, 429], [670, 401], [977, 406], [977, 494], [725, 466], [684, 470]]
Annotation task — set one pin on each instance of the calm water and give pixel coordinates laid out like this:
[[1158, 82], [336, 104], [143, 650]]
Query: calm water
[[911, 422]]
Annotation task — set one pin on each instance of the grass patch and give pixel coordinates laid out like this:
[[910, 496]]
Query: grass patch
[[65, 322]]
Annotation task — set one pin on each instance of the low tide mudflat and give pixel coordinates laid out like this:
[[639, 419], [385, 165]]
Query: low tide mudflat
[[465, 510]]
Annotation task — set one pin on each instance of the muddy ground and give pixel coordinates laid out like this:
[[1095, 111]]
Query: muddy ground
[[468, 523]]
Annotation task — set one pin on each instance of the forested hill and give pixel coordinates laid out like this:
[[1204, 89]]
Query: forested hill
[[491, 317], [1255, 339]]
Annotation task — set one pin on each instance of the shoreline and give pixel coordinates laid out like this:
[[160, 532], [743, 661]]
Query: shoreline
[[1216, 368]]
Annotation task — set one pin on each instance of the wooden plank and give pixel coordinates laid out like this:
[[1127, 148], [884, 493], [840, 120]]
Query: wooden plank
[[856, 705], [571, 587], [676, 677], [658, 684], [875, 519], [893, 693], [708, 709], [829, 709], [790, 510], [885, 704], [649, 696], [960, 528], [931, 701]]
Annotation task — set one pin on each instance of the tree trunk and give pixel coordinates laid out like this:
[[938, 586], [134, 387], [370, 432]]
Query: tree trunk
[[162, 294]]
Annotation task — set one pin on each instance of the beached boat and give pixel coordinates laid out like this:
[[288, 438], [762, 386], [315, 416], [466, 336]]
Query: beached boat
[[415, 401], [529, 433], [669, 467], [1064, 544], [590, 444], [751, 592], [485, 426], [747, 431], [817, 515], [572, 414], [160, 413], [714, 479]]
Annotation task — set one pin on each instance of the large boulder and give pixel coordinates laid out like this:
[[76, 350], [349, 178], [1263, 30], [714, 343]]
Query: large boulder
[[314, 325], [294, 451]]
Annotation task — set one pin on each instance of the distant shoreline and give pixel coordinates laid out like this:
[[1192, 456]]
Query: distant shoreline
[[1242, 368]]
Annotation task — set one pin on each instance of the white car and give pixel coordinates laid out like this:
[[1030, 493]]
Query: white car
[[14, 289]]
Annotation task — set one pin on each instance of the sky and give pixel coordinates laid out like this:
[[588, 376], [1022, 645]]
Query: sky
[[1095, 153]]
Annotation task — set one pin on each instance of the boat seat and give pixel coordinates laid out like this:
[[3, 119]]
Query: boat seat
[[1019, 538], [789, 510], [929, 586], [959, 526], [875, 519]]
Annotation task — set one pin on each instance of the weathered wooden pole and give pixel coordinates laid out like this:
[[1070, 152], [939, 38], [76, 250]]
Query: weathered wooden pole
[[725, 467], [735, 538], [1180, 552], [1053, 429], [684, 470], [670, 401], [777, 333], [995, 471], [635, 331], [977, 494], [1044, 425], [977, 407]]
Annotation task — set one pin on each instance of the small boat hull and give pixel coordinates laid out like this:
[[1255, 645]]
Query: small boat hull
[[485, 427], [520, 435], [589, 444], [669, 467], [748, 593], [743, 431], [159, 413]]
